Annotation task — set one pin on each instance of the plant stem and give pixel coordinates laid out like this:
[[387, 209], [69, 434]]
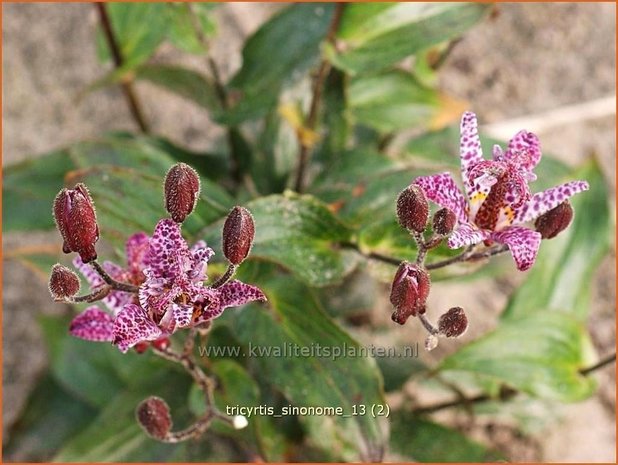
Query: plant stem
[[219, 90], [205, 383], [318, 86], [92, 297], [229, 273], [127, 87], [602, 363], [505, 393], [467, 256], [116, 285]]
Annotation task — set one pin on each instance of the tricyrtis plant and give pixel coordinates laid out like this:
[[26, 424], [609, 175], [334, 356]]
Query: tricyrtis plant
[[334, 112], [496, 206], [160, 291]]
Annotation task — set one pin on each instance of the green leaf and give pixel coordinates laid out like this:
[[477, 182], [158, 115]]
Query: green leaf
[[280, 52], [29, 189], [540, 354], [336, 119], [373, 37], [93, 372], [182, 33], [396, 371], [184, 82], [301, 234], [236, 387], [139, 28], [422, 440], [52, 416], [561, 276], [275, 155], [115, 436], [326, 381], [392, 101]]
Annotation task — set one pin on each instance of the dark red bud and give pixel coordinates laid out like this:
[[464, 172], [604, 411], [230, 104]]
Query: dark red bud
[[238, 233], [141, 347], [453, 323], [76, 220], [153, 415], [556, 220], [182, 189], [63, 283], [444, 221], [413, 208], [409, 292], [162, 343]]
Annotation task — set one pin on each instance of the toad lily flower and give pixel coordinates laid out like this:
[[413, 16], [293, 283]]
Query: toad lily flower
[[498, 202], [172, 293]]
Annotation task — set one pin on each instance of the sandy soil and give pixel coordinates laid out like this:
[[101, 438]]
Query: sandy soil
[[529, 59]]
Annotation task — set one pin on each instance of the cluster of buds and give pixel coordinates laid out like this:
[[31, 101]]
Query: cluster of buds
[[412, 282], [162, 272], [161, 290]]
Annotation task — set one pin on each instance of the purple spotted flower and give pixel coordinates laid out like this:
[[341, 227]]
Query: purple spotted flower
[[172, 294], [497, 201]]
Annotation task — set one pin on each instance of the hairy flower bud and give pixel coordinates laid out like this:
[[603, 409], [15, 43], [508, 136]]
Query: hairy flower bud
[[409, 292], [153, 415], [413, 208], [77, 222], [182, 189], [63, 283], [238, 233], [453, 323], [444, 221], [556, 220]]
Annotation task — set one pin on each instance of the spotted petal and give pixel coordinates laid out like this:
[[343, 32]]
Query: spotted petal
[[441, 189], [88, 272], [136, 250], [115, 300], [236, 293], [133, 325], [523, 243], [157, 294], [470, 150], [466, 234], [93, 324], [201, 254], [542, 202], [168, 254], [524, 149]]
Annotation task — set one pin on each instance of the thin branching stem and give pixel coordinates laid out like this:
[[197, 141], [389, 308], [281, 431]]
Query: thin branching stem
[[220, 90], [115, 285], [316, 96], [130, 95], [229, 274], [506, 393]]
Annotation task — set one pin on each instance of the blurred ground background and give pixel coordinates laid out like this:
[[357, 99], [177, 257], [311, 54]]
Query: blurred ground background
[[527, 60]]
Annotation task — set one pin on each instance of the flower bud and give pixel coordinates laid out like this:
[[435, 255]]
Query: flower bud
[[444, 221], [182, 189], [556, 220], [153, 415], [238, 232], [161, 343], [413, 208], [77, 222], [63, 283], [141, 347], [409, 292], [453, 323]]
